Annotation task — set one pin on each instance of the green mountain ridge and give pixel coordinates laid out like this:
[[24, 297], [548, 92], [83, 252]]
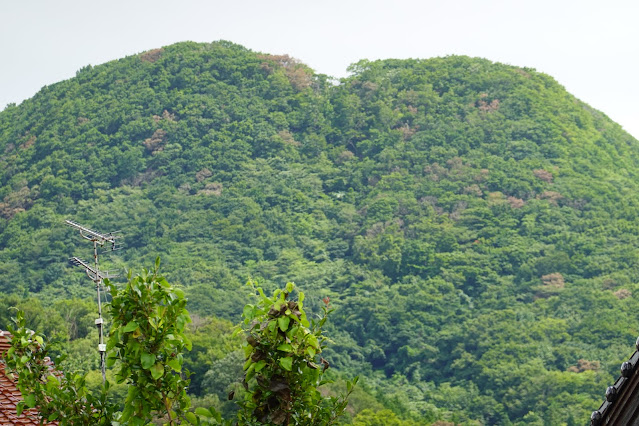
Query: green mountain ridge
[[474, 225]]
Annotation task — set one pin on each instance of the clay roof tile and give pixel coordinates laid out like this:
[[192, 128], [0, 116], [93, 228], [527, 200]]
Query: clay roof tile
[[10, 395]]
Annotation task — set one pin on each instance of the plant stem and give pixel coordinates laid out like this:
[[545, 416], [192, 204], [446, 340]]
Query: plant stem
[[168, 407]]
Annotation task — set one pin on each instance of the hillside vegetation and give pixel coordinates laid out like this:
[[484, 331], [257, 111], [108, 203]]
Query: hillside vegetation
[[474, 225]]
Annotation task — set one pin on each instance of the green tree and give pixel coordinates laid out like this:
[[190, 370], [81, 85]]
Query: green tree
[[284, 368], [65, 397], [146, 344], [146, 341]]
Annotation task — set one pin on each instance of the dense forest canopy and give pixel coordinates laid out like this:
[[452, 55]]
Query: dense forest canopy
[[473, 223]]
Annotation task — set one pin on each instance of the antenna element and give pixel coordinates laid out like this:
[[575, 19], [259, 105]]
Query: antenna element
[[94, 273]]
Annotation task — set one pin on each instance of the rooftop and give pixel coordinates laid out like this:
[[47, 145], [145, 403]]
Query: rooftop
[[621, 406], [10, 395]]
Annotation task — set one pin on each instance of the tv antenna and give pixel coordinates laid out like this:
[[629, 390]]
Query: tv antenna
[[97, 276]]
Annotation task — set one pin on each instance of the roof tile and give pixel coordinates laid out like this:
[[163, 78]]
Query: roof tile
[[10, 395]]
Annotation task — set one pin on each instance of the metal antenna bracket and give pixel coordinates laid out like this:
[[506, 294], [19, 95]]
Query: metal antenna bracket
[[97, 276]]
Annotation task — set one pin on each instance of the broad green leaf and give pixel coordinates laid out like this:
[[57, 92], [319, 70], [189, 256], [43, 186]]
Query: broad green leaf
[[147, 360], [137, 290], [312, 340], [30, 401], [278, 305], [113, 340], [180, 321], [126, 413], [153, 322], [264, 297], [285, 347], [283, 322], [259, 365], [160, 310], [131, 394], [201, 411], [286, 363], [111, 358], [133, 346], [191, 418], [248, 363], [289, 287], [250, 373], [292, 332], [157, 370], [248, 350], [131, 326], [174, 364], [248, 312]]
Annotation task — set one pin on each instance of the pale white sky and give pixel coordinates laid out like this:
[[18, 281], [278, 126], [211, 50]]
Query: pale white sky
[[589, 46]]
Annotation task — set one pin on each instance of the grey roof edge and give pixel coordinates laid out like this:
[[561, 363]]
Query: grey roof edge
[[615, 392]]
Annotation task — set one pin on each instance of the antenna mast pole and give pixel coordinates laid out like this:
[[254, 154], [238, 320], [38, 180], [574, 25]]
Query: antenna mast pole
[[97, 277], [99, 322]]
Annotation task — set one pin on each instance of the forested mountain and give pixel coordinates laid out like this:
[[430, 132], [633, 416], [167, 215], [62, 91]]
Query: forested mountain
[[474, 225]]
